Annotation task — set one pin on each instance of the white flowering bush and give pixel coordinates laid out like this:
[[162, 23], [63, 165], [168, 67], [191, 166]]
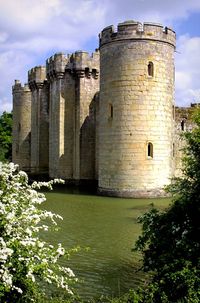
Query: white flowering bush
[[27, 263]]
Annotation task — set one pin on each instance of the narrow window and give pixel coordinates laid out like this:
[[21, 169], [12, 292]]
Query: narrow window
[[173, 150], [19, 127], [182, 125], [110, 111], [17, 148], [150, 69], [173, 112], [150, 150]]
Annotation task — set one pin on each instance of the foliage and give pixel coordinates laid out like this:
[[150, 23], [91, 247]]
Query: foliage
[[5, 136], [170, 240], [131, 296], [27, 264]]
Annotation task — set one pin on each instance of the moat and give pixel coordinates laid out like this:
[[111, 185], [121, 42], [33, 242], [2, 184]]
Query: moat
[[108, 226]]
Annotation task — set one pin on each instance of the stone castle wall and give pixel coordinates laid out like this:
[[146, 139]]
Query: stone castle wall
[[183, 123], [122, 131]]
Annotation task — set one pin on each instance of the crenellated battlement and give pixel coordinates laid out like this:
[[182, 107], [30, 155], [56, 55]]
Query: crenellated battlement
[[36, 76], [18, 87], [80, 63], [133, 30], [55, 65], [81, 60], [83, 64]]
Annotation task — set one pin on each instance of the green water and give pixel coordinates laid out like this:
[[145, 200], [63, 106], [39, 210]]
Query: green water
[[108, 226]]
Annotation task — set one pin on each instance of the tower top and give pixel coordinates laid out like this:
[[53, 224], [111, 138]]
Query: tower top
[[79, 61], [36, 76], [19, 88], [134, 30]]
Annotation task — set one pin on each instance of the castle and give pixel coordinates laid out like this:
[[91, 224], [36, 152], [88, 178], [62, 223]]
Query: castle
[[108, 117]]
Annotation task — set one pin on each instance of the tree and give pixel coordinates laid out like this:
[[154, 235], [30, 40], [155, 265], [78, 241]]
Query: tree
[[170, 240], [27, 263], [5, 136]]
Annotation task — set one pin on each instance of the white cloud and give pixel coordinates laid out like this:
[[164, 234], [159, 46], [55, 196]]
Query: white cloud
[[13, 65], [29, 30], [5, 105], [149, 10], [187, 70], [29, 16], [3, 37], [43, 24]]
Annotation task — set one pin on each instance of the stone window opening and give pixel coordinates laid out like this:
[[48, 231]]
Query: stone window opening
[[150, 150], [150, 69], [173, 112], [17, 148], [182, 125], [110, 111], [173, 150]]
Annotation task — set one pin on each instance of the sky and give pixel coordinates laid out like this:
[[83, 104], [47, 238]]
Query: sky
[[33, 30]]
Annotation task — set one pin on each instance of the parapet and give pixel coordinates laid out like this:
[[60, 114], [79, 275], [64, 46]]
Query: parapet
[[36, 76], [134, 30], [56, 64], [18, 87], [79, 63], [82, 61]]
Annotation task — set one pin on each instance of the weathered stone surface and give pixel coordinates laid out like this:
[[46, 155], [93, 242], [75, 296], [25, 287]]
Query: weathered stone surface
[[142, 109], [21, 125], [74, 83], [39, 119], [183, 118]]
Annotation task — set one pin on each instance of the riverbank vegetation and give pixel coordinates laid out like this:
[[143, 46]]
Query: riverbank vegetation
[[5, 137], [170, 240], [27, 263]]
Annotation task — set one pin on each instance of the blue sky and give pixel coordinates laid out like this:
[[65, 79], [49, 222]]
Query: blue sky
[[31, 31]]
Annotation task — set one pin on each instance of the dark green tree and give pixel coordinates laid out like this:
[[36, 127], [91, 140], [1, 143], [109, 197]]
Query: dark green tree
[[5, 136], [170, 240]]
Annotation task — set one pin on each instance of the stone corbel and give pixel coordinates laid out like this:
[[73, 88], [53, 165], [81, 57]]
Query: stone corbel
[[80, 73]]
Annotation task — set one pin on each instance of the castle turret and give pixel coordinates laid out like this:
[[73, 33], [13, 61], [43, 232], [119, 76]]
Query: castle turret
[[21, 125], [73, 85], [86, 72], [60, 117], [39, 119], [136, 109]]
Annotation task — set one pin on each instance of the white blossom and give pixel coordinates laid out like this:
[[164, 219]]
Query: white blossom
[[60, 250], [17, 289], [20, 224]]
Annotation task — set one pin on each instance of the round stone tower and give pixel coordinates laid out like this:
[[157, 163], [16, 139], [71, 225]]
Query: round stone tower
[[136, 119], [21, 125]]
